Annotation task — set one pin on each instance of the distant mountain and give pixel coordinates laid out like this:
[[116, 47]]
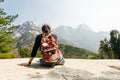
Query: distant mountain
[[82, 36], [27, 27], [27, 32]]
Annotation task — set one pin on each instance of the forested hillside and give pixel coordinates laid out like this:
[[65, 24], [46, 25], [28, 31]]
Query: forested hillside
[[75, 52]]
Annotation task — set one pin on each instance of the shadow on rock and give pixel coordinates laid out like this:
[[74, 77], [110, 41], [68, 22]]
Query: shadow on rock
[[38, 66]]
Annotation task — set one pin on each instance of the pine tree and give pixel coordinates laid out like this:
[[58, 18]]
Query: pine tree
[[5, 20], [115, 42], [6, 42], [110, 49]]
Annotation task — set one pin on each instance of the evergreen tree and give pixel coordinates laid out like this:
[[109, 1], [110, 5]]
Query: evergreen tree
[[111, 48], [105, 50], [1, 0], [6, 42], [5, 20], [115, 42]]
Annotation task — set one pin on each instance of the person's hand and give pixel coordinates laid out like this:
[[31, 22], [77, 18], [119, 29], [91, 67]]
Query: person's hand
[[24, 64]]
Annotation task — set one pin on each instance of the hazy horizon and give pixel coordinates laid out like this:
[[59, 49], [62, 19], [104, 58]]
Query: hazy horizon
[[99, 15]]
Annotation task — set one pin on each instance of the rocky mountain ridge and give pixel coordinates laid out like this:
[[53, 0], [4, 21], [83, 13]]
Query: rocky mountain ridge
[[82, 36]]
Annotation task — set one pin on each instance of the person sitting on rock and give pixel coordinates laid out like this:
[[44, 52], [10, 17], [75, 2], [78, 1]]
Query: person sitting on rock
[[47, 43]]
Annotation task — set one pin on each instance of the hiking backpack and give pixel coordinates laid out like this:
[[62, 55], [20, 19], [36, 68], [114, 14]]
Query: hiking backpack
[[49, 48]]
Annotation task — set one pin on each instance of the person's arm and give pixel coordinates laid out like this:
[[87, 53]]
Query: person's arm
[[34, 51], [29, 62], [36, 46]]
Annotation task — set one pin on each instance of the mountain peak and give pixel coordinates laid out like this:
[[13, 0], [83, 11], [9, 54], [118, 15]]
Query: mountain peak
[[83, 26], [30, 23], [26, 27]]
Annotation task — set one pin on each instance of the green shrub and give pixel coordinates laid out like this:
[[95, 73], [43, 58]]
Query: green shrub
[[7, 55], [25, 52]]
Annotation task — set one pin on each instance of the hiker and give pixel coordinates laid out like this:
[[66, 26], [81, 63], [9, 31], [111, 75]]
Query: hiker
[[51, 56]]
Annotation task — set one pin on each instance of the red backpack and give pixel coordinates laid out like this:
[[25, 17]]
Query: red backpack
[[49, 48]]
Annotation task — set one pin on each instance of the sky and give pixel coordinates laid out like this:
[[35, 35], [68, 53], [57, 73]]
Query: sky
[[99, 15]]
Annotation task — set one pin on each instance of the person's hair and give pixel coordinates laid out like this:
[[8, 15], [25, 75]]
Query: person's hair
[[46, 29]]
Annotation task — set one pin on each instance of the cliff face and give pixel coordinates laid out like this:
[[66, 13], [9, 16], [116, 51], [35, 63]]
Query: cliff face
[[73, 69]]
